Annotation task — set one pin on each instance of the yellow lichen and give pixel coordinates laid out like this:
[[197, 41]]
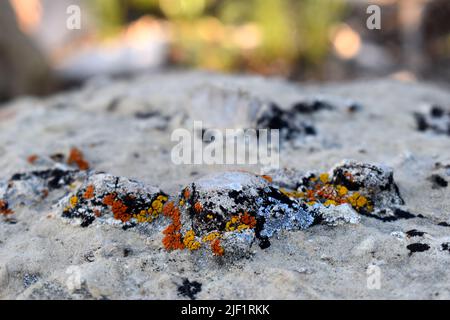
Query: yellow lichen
[[73, 201], [292, 194], [142, 217], [231, 225], [211, 236], [240, 222], [162, 198], [324, 177], [243, 227], [157, 205], [342, 191], [358, 201], [361, 201], [190, 242], [330, 203]]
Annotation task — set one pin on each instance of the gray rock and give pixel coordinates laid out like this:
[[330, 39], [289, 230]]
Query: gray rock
[[101, 120]]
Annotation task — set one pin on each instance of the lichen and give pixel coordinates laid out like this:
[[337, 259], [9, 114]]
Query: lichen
[[368, 188], [173, 238], [190, 242], [4, 208], [217, 248], [89, 193], [436, 119], [105, 196], [225, 212], [76, 157]]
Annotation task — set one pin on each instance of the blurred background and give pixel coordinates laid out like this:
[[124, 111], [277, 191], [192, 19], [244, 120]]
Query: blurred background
[[301, 40]]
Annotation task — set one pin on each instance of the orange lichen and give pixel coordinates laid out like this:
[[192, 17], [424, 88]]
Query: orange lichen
[[32, 158], [89, 193], [249, 220], [4, 208], [349, 176], [119, 209], [168, 209], [97, 213], [217, 248], [268, 178], [76, 158], [240, 222], [322, 190], [198, 207], [108, 200], [45, 193], [186, 193], [173, 239]]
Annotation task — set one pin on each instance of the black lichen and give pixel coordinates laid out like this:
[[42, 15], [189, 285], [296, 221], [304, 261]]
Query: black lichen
[[437, 120], [311, 106], [127, 252], [87, 221], [264, 241], [53, 178], [189, 289], [437, 181], [437, 111], [414, 233], [417, 247], [402, 214], [292, 123], [444, 224]]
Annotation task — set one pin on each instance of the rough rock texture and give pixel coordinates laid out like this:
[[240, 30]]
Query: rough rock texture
[[435, 118], [224, 195], [60, 237]]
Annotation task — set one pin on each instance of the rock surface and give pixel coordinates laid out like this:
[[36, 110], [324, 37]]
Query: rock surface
[[315, 228]]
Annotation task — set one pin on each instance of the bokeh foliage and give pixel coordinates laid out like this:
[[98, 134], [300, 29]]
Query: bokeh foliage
[[266, 36]]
